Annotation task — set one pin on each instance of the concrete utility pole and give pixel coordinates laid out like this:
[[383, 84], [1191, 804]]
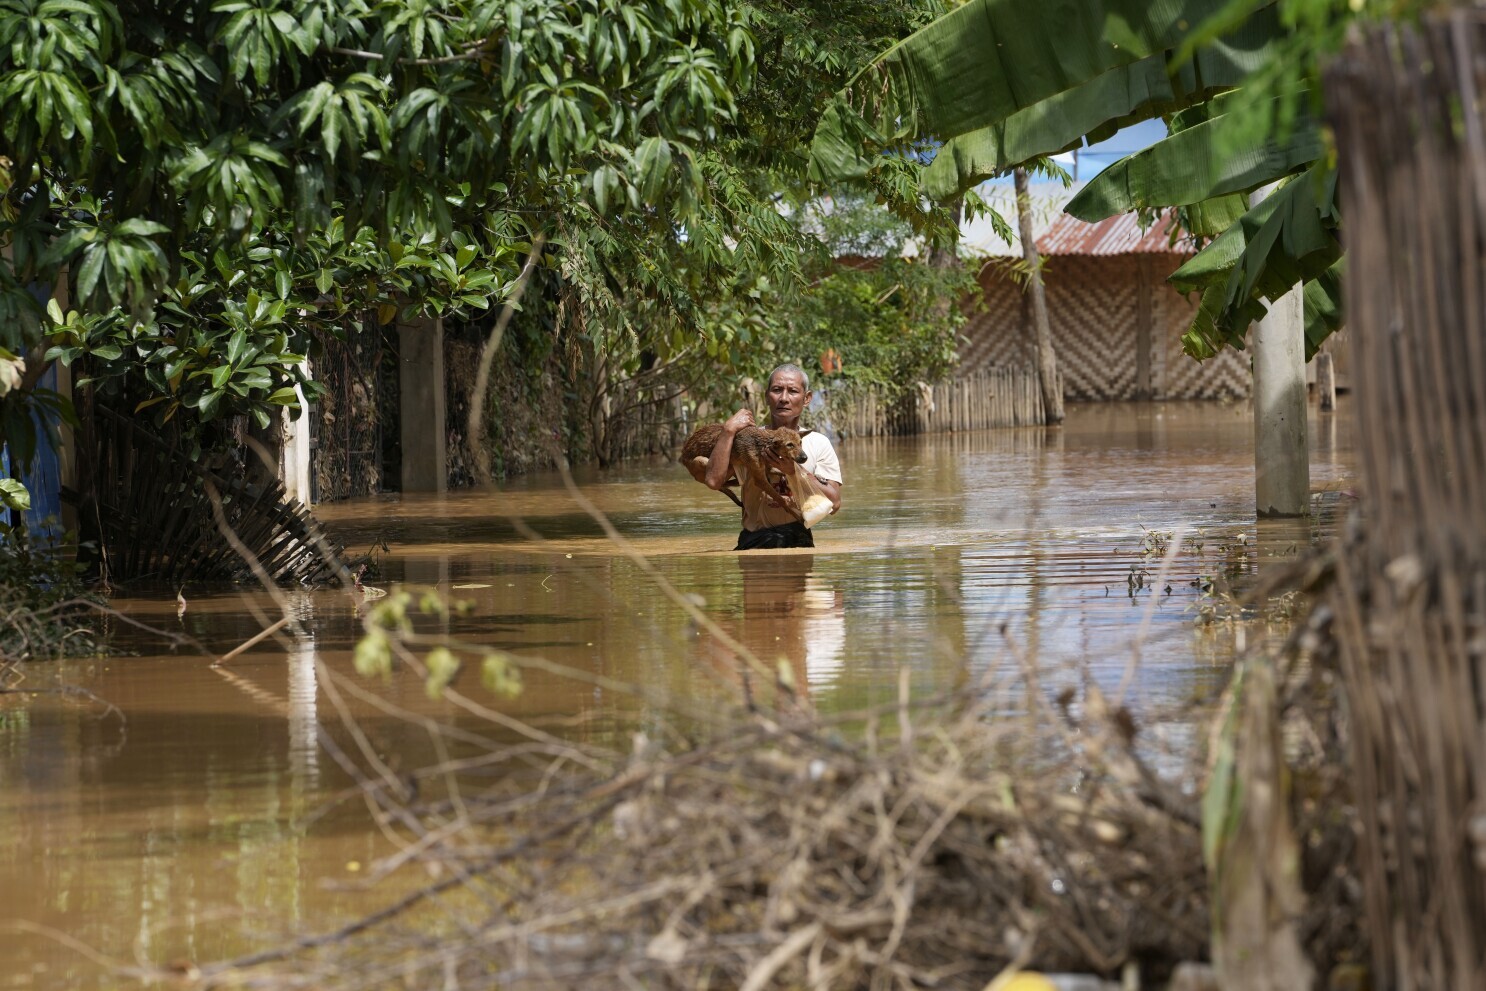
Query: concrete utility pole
[[1282, 463], [1047, 361], [294, 455], [1326, 382], [420, 362], [1282, 466]]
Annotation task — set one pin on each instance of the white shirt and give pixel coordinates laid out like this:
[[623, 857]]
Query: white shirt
[[820, 460]]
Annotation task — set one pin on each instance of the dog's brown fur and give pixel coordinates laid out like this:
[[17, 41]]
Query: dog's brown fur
[[759, 451]]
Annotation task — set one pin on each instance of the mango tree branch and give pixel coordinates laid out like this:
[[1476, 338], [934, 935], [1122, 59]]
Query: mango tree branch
[[475, 430]]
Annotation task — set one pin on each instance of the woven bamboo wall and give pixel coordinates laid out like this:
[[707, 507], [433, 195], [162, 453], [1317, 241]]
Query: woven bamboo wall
[[1093, 307]]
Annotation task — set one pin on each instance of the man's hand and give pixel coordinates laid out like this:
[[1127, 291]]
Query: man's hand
[[831, 490], [720, 465]]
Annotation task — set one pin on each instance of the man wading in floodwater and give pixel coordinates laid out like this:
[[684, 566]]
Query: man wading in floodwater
[[766, 525]]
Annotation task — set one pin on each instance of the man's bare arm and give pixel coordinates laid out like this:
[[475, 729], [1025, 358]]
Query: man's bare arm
[[832, 492]]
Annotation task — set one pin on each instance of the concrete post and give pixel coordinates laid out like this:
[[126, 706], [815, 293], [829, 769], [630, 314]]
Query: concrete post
[[1282, 466], [294, 455], [1282, 470], [420, 360], [1326, 381]]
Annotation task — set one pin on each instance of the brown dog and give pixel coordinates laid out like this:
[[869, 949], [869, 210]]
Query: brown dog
[[759, 451]]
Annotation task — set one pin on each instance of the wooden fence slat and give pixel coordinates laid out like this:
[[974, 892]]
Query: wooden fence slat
[[1006, 396]]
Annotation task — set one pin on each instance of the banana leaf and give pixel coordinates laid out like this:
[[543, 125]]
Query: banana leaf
[[1212, 266], [1209, 333], [1323, 308], [985, 61], [1323, 317], [1209, 159], [1210, 218], [1239, 101], [1295, 243], [1096, 109], [1287, 239]]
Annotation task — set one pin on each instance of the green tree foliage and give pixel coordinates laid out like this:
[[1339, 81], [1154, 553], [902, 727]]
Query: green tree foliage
[[748, 281], [887, 317], [223, 183], [888, 313], [883, 313], [221, 180]]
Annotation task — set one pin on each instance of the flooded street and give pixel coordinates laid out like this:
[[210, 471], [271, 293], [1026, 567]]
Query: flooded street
[[155, 809]]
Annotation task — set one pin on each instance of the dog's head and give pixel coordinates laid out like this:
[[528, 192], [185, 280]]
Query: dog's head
[[785, 446]]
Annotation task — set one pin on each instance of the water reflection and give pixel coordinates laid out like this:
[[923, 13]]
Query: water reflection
[[825, 631], [304, 718], [792, 618]]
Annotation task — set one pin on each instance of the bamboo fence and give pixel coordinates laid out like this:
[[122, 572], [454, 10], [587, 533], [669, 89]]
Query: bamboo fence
[[1005, 396], [656, 423], [1410, 596], [148, 503]]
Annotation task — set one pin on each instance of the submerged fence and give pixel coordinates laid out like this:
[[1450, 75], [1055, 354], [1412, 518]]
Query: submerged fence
[[1006, 396], [147, 502], [655, 423]]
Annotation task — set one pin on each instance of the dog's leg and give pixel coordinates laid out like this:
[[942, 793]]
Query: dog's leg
[[769, 493], [793, 507], [698, 468]]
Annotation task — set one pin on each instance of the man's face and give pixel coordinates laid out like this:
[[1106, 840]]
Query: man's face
[[787, 396]]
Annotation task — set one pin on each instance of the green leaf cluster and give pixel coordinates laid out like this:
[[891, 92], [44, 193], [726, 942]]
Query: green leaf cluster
[[649, 315], [228, 115], [221, 185], [888, 314], [389, 637]]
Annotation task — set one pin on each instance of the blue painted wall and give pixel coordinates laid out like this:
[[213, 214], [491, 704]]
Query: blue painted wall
[[44, 478]]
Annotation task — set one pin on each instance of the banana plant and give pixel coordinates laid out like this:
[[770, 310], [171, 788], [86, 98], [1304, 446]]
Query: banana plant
[[995, 83]]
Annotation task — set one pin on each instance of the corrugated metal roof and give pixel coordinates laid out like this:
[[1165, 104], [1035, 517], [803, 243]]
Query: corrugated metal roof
[[1115, 236]]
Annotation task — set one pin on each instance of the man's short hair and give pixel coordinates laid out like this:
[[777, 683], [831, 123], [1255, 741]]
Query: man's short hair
[[804, 378]]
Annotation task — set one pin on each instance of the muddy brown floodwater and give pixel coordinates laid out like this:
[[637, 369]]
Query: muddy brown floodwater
[[156, 810]]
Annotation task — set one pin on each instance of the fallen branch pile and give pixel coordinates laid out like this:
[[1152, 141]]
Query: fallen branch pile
[[781, 855]]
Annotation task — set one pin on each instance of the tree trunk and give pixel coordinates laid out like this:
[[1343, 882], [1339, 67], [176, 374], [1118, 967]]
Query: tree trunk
[[1408, 105], [423, 425], [1047, 360], [949, 257]]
